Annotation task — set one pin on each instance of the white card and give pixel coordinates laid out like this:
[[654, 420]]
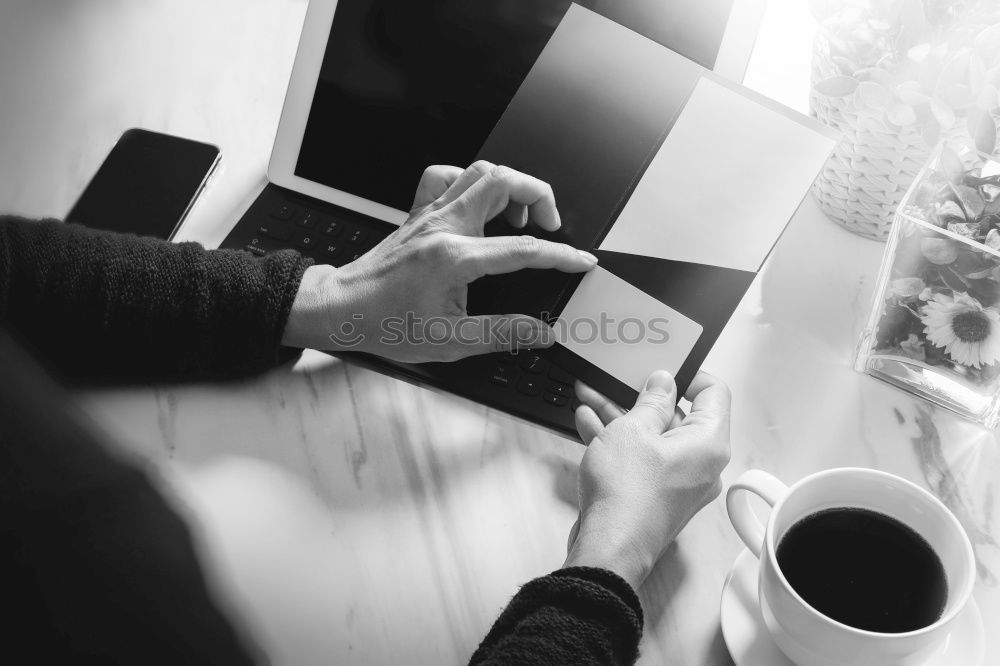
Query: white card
[[623, 330], [723, 184]]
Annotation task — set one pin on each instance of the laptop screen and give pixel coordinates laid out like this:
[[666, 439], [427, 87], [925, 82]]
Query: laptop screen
[[405, 83]]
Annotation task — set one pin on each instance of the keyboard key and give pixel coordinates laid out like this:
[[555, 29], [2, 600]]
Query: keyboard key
[[333, 228], [306, 242], [332, 249], [276, 231], [529, 385], [559, 375], [309, 220], [284, 213], [357, 237], [255, 248], [560, 389], [533, 363], [502, 376], [557, 400]]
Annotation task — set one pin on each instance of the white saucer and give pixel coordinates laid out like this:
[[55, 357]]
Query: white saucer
[[750, 643]]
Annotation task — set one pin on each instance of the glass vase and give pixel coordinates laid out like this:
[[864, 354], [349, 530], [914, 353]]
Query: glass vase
[[934, 330]]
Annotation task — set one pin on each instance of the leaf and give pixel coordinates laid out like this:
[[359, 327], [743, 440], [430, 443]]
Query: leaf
[[989, 98], [977, 72], [913, 25], [943, 113], [987, 43], [957, 96], [876, 75], [930, 130], [972, 203], [837, 86], [901, 115], [874, 95], [951, 165], [939, 251], [992, 239], [955, 69], [919, 52], [911, 93], [983, 130]]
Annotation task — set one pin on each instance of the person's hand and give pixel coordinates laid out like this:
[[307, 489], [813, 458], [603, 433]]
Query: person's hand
[[406, 299], [646, 472]]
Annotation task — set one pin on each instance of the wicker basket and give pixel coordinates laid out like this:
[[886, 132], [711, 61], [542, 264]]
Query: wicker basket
[[873, 165]]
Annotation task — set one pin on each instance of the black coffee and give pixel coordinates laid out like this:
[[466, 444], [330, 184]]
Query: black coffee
[[864, 569]]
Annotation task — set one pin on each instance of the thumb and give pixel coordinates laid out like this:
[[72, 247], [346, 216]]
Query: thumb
[[654, 409], [485, 334]]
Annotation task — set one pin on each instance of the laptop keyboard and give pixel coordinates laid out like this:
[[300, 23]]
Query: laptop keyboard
[[330, 239], [315, 235], [532, 375]]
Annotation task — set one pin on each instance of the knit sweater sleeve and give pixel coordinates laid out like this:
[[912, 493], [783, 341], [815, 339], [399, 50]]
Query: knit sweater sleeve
[[579, 615], [99, 306]]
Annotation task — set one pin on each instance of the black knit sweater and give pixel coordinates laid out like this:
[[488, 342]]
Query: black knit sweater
[[95, 565]]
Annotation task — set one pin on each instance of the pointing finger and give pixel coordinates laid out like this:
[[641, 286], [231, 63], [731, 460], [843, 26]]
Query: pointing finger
[[506, 254]]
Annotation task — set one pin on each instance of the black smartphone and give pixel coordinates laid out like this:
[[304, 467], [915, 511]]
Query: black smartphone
[[146, 185]]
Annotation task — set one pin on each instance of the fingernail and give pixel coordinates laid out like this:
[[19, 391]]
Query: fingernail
[[588, 256], [661, 380]]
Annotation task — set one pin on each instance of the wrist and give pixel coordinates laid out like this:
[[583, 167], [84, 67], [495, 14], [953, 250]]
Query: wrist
[[607, 551], [313, 311]]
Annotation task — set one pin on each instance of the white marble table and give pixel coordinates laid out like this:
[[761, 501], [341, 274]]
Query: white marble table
[[349, 518]]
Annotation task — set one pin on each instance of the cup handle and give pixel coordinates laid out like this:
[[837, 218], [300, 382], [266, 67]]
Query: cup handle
[[747, 525]]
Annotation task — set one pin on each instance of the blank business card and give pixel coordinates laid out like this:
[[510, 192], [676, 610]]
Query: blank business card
[[623, 330], [724, 182]]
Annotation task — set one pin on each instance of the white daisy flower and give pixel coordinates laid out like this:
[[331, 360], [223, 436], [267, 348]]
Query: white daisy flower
[[969, 333]]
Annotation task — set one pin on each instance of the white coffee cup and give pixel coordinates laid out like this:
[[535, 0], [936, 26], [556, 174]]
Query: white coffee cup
[[805, 635]]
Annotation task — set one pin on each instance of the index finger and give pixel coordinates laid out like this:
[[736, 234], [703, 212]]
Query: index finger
[[491, 194], [710, 398], [506, 254]]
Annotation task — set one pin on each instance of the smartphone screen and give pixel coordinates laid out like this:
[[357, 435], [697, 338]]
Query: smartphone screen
[[146, 185]]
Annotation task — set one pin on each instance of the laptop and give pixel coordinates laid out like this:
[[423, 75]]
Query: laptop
[[381, 89]]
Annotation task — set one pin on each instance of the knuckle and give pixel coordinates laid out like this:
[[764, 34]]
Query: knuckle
[[525, 246], [661, 408], [444, 248], [481, 167], [500, 172]]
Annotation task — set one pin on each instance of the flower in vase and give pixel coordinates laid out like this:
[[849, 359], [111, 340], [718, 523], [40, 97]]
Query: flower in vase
[[907, 287], [913, 348], [939, 250], [968, 332]]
